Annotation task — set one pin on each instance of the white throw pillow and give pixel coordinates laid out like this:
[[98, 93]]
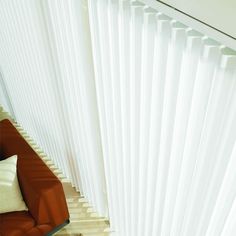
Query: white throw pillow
[[10, 194]]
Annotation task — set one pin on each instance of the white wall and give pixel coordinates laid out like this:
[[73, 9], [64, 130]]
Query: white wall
[[219, 14]]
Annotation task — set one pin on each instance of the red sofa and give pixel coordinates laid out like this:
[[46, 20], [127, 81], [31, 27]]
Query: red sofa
[[41, 190]]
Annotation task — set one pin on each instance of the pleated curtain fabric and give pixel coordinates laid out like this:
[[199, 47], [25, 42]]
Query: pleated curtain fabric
[[166, 99], [46, 63], [137, 109]]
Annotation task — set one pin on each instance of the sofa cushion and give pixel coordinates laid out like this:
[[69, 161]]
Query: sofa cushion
[[16, 223], [10, 197]]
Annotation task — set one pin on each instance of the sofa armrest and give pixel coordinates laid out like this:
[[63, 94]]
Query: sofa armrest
[[44, 197]]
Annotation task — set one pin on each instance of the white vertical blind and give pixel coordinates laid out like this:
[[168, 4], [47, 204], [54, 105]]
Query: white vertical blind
[[142, 121], [45, 57], [4, 97], [27, 74], [66, 22], [166, 98]]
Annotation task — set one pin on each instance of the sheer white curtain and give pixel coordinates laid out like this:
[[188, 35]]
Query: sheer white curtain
[[166, 98], [138, 110], [47, 67]]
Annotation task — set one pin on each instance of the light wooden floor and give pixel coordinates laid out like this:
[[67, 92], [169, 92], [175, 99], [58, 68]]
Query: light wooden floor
[[83, 220]]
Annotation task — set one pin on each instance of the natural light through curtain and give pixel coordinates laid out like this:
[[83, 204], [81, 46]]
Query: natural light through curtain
[[167, 104], [137, 109], [46, 64]]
